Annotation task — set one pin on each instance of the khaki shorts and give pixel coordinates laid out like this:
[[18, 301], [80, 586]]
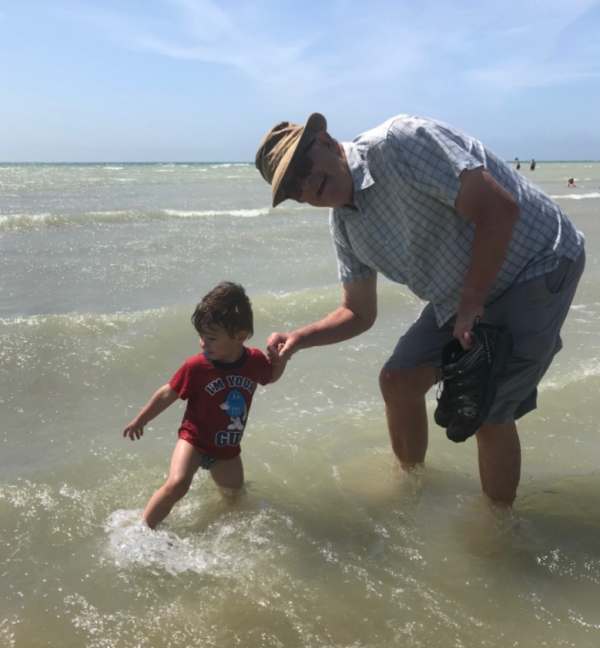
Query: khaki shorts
[[533, 311]]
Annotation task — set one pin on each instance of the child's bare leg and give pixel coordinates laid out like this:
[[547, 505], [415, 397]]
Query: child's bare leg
[[228, 475], [185, 461]]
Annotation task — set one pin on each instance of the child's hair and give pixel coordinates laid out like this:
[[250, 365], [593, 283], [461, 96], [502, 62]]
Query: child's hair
[[226, 306]]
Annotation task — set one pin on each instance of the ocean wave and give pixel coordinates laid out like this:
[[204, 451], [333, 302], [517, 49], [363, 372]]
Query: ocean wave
[[240, 213], [16, 222], [85, 323], [585, 196], [82, 323], [281, 308], [227, 165], [10, 222]]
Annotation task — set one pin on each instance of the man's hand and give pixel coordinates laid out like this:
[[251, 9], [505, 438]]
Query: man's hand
[[468, 313], [281, 346]]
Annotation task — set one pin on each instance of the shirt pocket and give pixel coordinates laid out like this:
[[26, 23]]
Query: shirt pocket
[[555, 280]]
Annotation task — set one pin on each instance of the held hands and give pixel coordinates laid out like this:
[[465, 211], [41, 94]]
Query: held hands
[[280, 346], [134, 430]]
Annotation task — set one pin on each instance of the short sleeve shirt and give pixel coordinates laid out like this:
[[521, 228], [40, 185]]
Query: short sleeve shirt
[[218, 398], [406, 176]]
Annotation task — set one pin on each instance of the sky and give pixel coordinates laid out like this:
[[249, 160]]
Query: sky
[[200, 80]]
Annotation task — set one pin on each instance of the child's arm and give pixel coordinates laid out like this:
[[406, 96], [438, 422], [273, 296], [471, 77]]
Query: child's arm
[[162, 398], [277, 364]]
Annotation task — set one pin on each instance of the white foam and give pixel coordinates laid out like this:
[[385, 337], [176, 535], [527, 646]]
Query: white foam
[[232, 545], [11, 222], [228, 165], [109, 214], [586, 196], [28, 221], [131, 543], [82, 322], [241, 213]]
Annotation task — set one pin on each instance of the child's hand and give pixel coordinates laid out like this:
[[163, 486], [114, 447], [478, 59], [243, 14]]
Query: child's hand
[[282, 345], [134, 430], [273, 353], [277, 361]]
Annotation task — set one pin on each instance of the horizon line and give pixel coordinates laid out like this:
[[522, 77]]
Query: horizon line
[[6, 162], [140, 162]]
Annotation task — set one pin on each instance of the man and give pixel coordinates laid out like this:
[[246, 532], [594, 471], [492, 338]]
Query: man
[[432, 208]]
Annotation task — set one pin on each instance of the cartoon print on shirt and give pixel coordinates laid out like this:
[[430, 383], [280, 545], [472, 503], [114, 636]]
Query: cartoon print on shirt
[[235, 406], [236, 409]]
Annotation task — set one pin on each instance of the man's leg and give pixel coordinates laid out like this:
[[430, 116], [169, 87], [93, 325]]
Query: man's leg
[[499, 461], [404, 392], [533, 312]]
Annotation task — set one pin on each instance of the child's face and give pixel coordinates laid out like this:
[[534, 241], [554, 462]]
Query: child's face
[[217, 344]]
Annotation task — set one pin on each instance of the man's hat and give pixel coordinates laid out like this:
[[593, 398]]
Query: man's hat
[[280, 149]]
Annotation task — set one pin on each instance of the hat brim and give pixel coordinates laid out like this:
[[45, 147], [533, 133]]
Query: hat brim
[[314, 124]]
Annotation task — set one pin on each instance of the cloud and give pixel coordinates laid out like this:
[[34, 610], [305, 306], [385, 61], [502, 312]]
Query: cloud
[[201, 30], [515, 44], [553, 45]]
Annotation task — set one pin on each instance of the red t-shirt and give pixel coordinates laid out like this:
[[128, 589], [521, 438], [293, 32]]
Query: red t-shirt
[[219, 396]]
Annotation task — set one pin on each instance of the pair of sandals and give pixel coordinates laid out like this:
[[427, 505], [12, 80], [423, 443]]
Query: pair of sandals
[[469, 380]]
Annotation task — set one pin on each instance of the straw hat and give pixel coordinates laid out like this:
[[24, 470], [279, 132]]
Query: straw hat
[[280, 149]]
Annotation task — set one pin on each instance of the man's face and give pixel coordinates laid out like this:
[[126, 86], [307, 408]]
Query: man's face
[[322, 177]]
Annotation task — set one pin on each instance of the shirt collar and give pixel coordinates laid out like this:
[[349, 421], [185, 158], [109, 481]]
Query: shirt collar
[[229, 365], [359, 167]]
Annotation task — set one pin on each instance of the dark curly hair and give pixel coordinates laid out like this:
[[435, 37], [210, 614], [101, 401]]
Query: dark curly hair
[[226, 306]]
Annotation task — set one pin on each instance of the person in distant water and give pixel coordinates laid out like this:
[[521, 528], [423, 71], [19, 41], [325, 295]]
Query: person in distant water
[[517, 163], [571, 182], [432, 208], [218, 385], [532, 165]]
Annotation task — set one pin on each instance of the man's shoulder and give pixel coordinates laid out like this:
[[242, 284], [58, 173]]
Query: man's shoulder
[[395, 137], [402, 124]]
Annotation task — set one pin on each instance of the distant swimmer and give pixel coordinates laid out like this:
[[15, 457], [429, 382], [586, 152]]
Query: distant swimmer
[[532, 165], [571, 182], [517, 164]]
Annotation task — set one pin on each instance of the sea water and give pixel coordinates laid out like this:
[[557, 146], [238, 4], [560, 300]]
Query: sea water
[[331, 545]]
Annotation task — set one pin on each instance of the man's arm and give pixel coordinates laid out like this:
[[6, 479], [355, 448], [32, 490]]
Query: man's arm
[[357, 313], [493, 211]]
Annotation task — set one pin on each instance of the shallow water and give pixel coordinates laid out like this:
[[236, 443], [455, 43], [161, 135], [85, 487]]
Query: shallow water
[[331, 545]]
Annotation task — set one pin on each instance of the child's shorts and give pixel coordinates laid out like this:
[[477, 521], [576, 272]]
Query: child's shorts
[[206, 461], [533, 311]]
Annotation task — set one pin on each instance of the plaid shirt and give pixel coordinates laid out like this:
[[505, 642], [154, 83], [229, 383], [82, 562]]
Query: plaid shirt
[[406, 180]]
